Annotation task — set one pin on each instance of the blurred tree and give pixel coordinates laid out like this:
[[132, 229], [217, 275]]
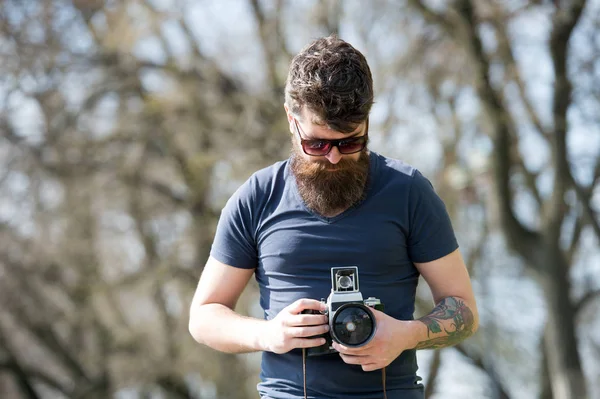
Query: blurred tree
[[548, 245], [111, 208], [124, 126]]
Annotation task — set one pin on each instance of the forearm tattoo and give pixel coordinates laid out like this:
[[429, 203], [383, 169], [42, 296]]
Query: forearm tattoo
[[450, 322]]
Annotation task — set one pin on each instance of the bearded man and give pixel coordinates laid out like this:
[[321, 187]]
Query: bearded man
[[333, 204]]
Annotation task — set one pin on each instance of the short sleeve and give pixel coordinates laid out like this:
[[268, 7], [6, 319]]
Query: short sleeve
[[431, 235], [234, 243]]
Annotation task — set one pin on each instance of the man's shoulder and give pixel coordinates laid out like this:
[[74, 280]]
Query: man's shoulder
[[397, 168], [268, 178], [271, 173], [400, 176], [263, 181]]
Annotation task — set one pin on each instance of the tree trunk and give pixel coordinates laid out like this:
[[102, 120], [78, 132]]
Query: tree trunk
[[560, 338], [433, 373], [545, 387]]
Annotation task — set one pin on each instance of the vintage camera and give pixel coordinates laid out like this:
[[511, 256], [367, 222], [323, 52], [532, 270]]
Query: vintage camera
[[351, 321]]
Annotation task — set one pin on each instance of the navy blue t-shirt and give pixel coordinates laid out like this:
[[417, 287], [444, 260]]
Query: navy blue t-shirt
[[266, 226]]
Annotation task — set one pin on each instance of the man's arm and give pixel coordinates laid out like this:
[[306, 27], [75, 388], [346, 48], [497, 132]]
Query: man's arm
[[455, 315], [214, 323], [451, 321], [212, 319]]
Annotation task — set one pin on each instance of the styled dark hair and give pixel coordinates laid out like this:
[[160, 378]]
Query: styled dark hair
[[333, 80]]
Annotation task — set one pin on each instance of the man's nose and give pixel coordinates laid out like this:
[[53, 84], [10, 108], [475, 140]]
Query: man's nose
[[334, 155]]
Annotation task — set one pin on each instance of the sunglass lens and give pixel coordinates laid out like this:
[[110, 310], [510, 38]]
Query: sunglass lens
[[350, 147], [316, 147]]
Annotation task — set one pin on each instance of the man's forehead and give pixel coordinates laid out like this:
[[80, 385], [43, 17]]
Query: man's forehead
[[314, 126]]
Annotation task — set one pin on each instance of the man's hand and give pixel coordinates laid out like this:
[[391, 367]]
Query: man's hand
[[290, 328], [391, 339]]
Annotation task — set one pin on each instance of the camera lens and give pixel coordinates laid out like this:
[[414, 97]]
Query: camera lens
[[353, 324], [345, 282]]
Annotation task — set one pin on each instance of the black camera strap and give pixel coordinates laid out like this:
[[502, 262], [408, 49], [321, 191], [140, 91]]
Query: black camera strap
[[304, 370], [304, 375]]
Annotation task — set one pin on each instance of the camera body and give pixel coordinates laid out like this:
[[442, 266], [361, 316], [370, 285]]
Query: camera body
[[351, 321]]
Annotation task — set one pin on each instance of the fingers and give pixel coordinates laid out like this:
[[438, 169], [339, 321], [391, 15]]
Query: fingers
[[372, 367], [307, 320], [304, 304], [367, 363], [308, 342], [308, 331], [293, 329], [357, 360], [352, 351]]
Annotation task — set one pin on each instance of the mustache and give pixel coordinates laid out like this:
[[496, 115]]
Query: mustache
[[325, 165]]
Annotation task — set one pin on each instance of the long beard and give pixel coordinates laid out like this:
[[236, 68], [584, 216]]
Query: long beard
[[329, 189]]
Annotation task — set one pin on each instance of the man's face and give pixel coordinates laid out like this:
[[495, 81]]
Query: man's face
[[330, 183]]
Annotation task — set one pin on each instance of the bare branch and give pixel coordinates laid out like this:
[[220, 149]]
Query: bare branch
[[507, 56], [136, 209], [88, 8], [478, 361], [35, 376], [519, 237], [434, 368], [590, 215], [175, 387], [585, 197], [39, 328], [279, 34], [530, 178], [265, 34], [13, 366], [576, 236], [159, 188], [588, 298], [545, 385], [433, 17], [564, 22]]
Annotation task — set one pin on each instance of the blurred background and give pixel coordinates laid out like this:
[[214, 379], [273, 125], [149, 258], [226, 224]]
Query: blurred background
[[126, 125]]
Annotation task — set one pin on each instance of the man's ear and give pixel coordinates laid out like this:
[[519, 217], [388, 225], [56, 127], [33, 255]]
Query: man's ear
[[290, 117]]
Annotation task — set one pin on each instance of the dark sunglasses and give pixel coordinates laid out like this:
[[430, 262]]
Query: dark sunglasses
[[322, 147]]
